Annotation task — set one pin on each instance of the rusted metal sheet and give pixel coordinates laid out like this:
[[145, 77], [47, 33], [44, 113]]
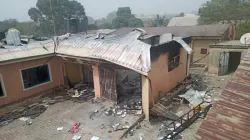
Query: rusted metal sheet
[[230, 116], [108, 83]]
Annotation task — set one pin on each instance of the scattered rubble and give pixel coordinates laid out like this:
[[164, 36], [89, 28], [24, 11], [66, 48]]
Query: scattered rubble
[[76, 137], [81, 93], [31, 111], [95, 138], [195, 97], [74, 128], [59, 129]]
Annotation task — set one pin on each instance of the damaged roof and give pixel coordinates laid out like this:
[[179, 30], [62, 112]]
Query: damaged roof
[[126, 50], [216, 30], [229, 117]]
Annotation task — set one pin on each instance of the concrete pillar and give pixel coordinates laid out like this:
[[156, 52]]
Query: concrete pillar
[[96, 79], [145, 96]]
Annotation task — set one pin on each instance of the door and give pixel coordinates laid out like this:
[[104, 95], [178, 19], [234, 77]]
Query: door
[[223, 63], [108, 83]]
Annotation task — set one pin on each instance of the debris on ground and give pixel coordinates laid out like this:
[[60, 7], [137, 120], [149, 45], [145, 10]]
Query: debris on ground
[[59, 129], [76, 137], [81, 92], [74, 128], [34, 110], [129, 95], [95, 138], [195, 97]]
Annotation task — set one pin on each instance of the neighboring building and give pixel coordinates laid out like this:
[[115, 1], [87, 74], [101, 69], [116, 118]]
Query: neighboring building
[[229, 117], [187, 20], [225, 57], [202, 37], [39, 66]]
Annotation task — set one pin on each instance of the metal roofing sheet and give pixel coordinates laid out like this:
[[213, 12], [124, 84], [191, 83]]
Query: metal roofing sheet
[[229, 117], [182, 31], [30, 50], [125, 50]]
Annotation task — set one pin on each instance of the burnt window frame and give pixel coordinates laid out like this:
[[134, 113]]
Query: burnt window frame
[[33, 70], [173, 59]]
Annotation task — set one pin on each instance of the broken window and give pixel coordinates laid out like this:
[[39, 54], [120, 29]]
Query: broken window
[[35, 76], [173, 59], [2, 94], [203, 51]]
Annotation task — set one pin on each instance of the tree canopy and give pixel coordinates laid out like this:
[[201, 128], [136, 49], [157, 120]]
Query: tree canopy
[[54, 13], [125, 18], [224, 11], [26, 28]]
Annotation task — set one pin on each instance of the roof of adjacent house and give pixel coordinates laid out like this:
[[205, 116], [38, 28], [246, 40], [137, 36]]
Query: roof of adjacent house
[[229, 117], [216, 30], [230, 44], [187, 20]]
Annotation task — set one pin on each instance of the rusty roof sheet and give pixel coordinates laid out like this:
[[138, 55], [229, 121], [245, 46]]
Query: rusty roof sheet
[[230, 116], [216, 30], [125, 50]]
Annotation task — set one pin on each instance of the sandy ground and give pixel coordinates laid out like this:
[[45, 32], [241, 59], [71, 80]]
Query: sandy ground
[[66, 114]]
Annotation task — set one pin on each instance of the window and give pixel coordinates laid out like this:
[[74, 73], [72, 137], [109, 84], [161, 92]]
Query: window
[[2, 89], [35, 76], [203, 51], [173, 59]]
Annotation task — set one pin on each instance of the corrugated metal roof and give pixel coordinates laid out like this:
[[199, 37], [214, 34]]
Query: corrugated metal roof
[[32, 49], [229, 117], [187, 20], [125, 50], [231, 43], [183, 31]]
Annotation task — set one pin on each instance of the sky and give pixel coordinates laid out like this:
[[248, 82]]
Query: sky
[[18, 9]]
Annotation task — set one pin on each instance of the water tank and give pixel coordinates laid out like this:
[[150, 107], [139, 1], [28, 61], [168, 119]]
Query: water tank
[[13, 37]]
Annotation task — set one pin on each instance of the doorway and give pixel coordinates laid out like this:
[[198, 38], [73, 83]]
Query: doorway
[[129, 89], [229, 62], [234, 61]]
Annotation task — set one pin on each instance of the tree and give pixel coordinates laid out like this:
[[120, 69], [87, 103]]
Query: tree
[[6, 24], [105, 26], [92, 27], [242, 29], [25, 28], [181, 14], [52, 14], [91, 20], [224, 11], [111, 16], [126, 19]]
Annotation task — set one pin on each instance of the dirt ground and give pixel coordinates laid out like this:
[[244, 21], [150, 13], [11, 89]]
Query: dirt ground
[[66, 114]]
